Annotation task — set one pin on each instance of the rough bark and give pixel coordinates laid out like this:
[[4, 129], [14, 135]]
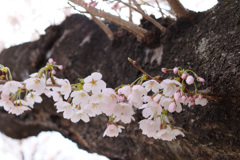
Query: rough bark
[[210, 46]]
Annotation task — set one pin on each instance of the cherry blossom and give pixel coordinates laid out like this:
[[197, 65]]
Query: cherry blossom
[[168, 134], [64, 107], [202, 101], [124, 112], [80, 96], [80, 115], [19, 107], [65, 88], [11, 87], [150, 108], [170, 86], [36, 84], [6, 103], [149, 127], [135, 98], [94, 83], [113, 130], [126, 90], [33, 97], [90, 98], [151, 85], [94, 108]]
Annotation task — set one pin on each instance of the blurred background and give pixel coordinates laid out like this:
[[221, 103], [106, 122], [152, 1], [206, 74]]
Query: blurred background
[[26, 20]]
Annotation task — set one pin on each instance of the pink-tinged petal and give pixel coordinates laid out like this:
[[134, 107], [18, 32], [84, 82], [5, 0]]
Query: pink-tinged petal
[[101, 84], [178, 132], [202, 101], [75, 118], [88, 79], [87, 87], [147, 112], [179, 108], [96, 76], [172, 107], [85, 118], [38, 99]]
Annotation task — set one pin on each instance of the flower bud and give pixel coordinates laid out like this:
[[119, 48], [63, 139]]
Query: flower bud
[[184, 75], [200, 79], [200, 96], [183, 98], [175, 70], [164, 70], [192, 103], [190, 99], [190, 80], [51, 60], [60, 67]]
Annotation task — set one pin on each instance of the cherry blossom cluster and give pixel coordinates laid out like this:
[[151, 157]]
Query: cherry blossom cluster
[[90, 97]]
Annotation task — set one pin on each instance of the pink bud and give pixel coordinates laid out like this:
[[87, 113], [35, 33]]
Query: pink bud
[[175, 70], [184, 75], [121, 98], [94, 4], [53, 72], [200, 96], [172, 107], [51, 60], [200, 79], [194, 97], [192, 103], [164, 70], [190, 98], [60, 67], [183, 98], [190, 80]]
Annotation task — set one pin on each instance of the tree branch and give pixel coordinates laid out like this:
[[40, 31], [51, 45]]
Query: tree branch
[[107, 30], [136, 30], [178, 8]]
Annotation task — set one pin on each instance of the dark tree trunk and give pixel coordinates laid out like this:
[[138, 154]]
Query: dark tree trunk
[[210, 46]]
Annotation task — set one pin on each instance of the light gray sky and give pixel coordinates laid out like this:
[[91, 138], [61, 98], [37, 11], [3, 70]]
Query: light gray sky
[[25, 20]]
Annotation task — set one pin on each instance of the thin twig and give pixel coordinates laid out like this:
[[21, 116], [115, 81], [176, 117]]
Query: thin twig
[[130, 11], [160, 10], [147, 17], [108, 32], [140, 69], [136, 30]]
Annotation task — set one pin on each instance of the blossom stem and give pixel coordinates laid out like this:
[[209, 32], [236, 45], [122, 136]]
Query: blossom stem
[[9, 72], [191, 71], [136, 81]]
